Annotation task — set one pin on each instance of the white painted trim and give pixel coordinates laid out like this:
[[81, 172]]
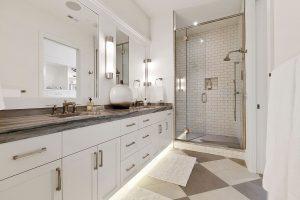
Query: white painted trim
[[251, 127], [119, 21]]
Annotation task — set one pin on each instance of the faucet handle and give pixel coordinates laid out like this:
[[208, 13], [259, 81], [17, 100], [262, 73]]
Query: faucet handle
[[54, 109]]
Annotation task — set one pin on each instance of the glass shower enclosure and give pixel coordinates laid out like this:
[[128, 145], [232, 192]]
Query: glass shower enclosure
[[210, 83]]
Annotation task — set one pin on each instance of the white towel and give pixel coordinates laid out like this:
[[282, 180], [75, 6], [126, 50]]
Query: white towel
[[279, 153]]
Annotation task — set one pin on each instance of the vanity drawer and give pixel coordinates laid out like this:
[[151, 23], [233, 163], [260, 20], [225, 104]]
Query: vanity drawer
[[129, 144], [146, 155], [147, 120], [129, 125], [130, 167], [20, 156], [145, 136], [76, 140]]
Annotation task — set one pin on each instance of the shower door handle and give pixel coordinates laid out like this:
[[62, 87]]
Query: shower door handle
[[204, 97]]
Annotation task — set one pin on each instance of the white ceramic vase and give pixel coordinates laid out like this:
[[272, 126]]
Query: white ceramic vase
[[121, 96]]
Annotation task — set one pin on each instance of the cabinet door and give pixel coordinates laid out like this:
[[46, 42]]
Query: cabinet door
[[169, 128], [109, 168], [42, 183], [80, 175]]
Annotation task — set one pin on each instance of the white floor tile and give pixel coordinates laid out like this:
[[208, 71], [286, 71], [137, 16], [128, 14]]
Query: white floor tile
[[230, 172], [167, 189], [227, 193]]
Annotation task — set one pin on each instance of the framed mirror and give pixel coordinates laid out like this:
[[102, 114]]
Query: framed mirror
[[122, 58], [49, 48]]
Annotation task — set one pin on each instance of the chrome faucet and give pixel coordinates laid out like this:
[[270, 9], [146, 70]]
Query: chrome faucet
[[67, 105]]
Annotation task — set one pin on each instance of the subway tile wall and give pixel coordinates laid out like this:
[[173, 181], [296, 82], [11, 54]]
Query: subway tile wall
[[202, 57]]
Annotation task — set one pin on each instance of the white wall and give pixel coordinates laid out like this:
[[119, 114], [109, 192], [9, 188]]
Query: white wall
[[20, 46], [162, 53], [262, 81], [286, 29], [130, 13]]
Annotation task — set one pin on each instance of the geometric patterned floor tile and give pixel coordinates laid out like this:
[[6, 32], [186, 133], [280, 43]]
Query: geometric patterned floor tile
[[202, 180], [230, 172], [253, 190], [239, 161], [213, 178], [203, 157], [166, 189], [138, 193], [227, 193], [184, 198]]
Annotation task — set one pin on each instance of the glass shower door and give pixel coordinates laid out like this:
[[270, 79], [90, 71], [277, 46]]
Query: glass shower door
[[195, 86]]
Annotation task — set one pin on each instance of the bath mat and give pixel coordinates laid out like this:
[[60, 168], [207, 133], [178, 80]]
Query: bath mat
[[174, 168], [143, 194]]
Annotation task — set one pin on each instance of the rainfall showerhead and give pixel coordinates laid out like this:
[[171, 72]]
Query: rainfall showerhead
[[227, 58]]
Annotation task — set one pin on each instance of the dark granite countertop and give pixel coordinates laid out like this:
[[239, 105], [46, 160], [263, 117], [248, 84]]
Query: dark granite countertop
[[23, 127]]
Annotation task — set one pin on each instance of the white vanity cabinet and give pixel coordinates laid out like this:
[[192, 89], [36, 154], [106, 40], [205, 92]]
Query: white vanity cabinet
[[89, 163], [108, 168], [41, 183], [80, 175], [92, 174]]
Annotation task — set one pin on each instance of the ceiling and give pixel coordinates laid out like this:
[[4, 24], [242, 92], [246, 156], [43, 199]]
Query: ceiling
[[84, 18], [189, 11], [214, 10], [155, 8]]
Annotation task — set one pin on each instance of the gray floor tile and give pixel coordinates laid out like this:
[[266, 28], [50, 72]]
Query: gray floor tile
[[239, 161], [202, 157], [202, 180], [184, 198], [253, 190]]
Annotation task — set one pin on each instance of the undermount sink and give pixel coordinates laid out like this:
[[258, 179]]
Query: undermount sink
[[66, 115]]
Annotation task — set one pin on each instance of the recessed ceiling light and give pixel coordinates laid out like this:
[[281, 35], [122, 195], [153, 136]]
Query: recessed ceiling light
[[195, 23], [73, 5]]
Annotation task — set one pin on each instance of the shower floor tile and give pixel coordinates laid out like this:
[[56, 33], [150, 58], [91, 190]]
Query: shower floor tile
[[218, 140]]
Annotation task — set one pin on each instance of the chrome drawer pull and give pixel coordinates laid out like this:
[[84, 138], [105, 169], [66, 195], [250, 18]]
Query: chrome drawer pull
[[130, 168], [144, 137], [145, 156], [132, 143], [128, 125], [58, 188], [96, 160], [160, 129], [101, 158], [16, 157], [146, 120]]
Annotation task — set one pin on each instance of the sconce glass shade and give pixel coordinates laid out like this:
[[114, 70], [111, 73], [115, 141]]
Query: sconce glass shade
[[147, 83], [109, 57]]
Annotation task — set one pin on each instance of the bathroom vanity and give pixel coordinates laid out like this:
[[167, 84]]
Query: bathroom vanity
[[81, 157]]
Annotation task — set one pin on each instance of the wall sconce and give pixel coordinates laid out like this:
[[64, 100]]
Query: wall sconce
[[147, 83], [180, 84], [109, 57]]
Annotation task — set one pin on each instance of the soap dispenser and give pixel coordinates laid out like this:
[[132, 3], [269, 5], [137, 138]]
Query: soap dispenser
[[90, 105]]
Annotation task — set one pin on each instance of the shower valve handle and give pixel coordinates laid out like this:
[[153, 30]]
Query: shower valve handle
[[204, 97]]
